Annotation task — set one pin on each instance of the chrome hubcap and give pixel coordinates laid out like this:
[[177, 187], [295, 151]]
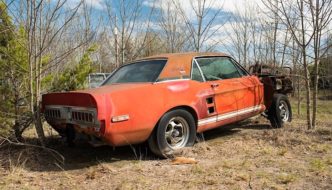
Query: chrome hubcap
[[284, 111], [177, 133]]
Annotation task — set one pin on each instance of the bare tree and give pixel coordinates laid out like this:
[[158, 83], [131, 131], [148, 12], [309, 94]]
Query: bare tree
[[242, 35], [202, 26], [45, 24], [126, 23], [296, 16], [172, 28], [306, 21], [321, 11]]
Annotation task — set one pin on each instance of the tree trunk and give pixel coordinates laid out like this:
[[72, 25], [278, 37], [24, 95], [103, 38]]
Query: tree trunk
[[298, 96], [315, 92], [39, 126], [17, 131], [307, 86]]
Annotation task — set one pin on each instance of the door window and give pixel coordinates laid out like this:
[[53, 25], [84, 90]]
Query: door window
[[218, 68], [196, 73]]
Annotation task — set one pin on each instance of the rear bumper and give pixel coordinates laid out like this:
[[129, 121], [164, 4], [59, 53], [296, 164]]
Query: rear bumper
[[58, 116], [85, 120]]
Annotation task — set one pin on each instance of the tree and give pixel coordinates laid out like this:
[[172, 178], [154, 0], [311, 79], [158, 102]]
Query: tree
[[172, 28], [201, 25], [16, 76], [321, 11], [296, 16], [72, 78], [307, 22], [6, 26], [31, 55], [13, 60], [131, 34], [242, 33]]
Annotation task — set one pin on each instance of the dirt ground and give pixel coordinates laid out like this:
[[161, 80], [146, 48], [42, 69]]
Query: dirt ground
[[249, 155]]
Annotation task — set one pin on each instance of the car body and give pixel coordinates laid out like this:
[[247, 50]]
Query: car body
[[212, 88]]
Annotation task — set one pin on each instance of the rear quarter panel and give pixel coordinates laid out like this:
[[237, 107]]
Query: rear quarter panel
[[146, 105]]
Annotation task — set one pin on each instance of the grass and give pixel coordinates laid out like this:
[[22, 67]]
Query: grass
[[324, 110], [247, 156], [317, 165], [285, 178]]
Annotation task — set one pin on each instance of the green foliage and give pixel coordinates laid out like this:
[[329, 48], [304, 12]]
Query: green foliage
[[6, 26], [71, 78], [14, 64]]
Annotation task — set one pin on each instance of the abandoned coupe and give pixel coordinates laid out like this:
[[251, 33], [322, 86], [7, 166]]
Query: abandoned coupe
[[166, 100]]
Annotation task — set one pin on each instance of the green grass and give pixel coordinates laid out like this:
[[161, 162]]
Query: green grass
[[324, 109]]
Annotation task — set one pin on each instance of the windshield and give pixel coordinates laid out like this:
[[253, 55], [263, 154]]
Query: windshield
[[143, 71]]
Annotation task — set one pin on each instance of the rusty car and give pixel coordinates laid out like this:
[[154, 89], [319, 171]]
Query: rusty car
[[167, 100]]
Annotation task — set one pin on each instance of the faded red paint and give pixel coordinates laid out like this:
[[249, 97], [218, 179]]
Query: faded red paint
[[146, 103]]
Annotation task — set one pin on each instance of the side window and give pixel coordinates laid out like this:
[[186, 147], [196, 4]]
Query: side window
[[217, 68], [196, 74]]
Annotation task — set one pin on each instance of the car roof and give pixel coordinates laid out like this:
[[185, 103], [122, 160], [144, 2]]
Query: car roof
[[179, 64], [186, 55]]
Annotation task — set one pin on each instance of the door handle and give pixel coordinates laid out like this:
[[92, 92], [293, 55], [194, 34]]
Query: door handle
[[214, 85]]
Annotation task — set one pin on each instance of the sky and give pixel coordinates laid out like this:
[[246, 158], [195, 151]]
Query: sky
[[222, 23], [226, 5]]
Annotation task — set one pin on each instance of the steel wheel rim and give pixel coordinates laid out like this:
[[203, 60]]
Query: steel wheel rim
[[177, 132], [284, 111]]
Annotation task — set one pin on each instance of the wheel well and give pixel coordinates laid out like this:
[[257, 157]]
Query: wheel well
[[188, 109]]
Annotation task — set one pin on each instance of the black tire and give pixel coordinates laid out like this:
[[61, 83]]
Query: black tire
[[175, 130], [280, 111], [70, 135]]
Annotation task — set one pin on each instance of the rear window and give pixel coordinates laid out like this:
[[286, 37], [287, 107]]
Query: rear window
[[143, 71]]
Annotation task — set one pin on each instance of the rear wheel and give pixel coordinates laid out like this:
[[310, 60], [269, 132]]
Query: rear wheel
[[175, 130], [280, 111]]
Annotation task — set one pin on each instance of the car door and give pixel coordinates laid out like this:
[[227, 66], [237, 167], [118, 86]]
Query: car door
[[223, 77], [249, 99]]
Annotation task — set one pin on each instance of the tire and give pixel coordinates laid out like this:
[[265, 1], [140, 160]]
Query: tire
[[280, 111], [70, 135], [175, 130]]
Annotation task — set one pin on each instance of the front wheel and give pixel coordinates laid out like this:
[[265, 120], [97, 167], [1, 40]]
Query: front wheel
[[175, 130], [280, 111]]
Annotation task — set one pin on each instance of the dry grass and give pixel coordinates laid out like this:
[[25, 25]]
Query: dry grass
[[246, 156]]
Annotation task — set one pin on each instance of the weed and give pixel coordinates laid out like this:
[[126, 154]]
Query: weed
[[267, 150], [197, 169], [317, 165], [285, 178], [282, 151], [329, 161]]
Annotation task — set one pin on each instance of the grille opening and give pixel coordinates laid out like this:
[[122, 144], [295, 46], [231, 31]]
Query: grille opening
[[209, 100], [53, 113], [82, 116], [211, 110]]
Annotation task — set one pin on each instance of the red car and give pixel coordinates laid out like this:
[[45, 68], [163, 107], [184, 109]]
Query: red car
[[165, 99]]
